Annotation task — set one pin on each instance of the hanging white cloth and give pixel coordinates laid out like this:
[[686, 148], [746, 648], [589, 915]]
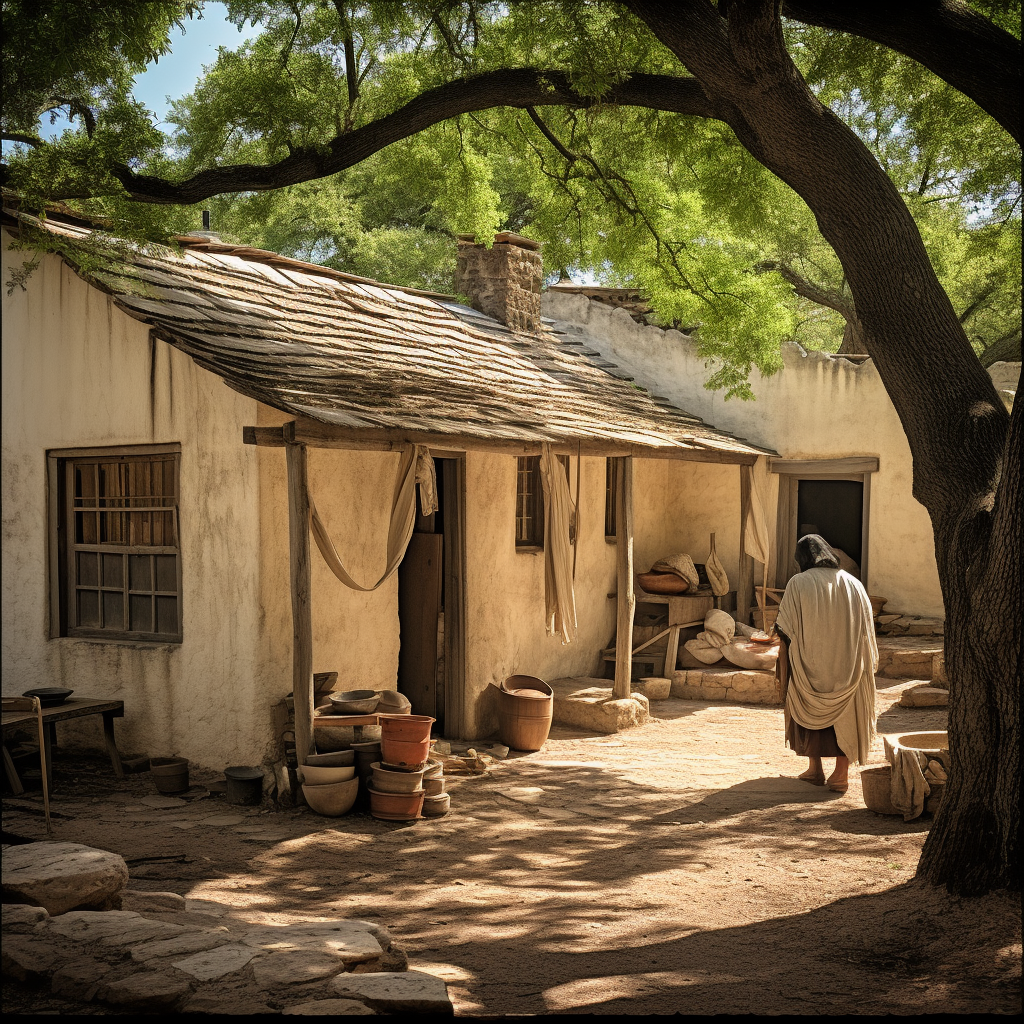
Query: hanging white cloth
[[416, 467], [559, 593], [757, 529]]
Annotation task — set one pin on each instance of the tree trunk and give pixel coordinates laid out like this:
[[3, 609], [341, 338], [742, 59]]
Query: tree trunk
[[955, 423], [853, 340]]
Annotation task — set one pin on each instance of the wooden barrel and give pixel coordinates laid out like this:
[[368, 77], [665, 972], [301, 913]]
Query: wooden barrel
[[525, 704]]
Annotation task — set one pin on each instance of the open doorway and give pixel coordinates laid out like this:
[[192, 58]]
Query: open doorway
[[835, 510], [430, 615]]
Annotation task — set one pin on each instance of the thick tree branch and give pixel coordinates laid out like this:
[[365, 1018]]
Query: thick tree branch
[[29, 140], [817, 293], [959, 45], [516, 87]]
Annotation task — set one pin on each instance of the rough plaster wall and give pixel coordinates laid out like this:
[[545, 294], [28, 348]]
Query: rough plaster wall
[[77, 372], [354, 634], [678, 505], [505, 632], [816, 407]]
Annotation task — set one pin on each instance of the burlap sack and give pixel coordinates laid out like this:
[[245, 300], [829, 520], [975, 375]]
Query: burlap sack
[[705, 653], [745, 654]]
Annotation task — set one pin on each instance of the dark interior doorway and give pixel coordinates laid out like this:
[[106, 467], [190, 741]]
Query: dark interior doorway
[[425, 579], [835, 510]]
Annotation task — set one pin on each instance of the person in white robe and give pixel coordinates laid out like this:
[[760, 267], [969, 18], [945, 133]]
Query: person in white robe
[[827, 664]]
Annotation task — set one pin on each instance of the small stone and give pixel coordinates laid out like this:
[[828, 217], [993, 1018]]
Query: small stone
[[181, 945], [112, 928], [331, 1006], [350, 941], [712, 692], [222, 819], [296, 968], [63, 876], [79, 981], [165, 803], [654, 687], [153, 902], [151, 990], [887, 618], [216, 963], [924, 695], [18, 917], [227, 1001], [27, 958], [409, 991]]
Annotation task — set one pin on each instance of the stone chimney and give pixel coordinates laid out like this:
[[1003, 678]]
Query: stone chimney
[[504, 281]]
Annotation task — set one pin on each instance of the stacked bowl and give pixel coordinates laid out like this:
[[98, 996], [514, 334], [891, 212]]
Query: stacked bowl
[[329, 783]]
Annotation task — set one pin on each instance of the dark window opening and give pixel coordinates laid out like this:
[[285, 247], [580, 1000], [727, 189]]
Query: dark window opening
[[835, 510]]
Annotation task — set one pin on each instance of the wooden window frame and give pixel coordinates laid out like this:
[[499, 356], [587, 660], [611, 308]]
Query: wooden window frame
[[858, 469], [530, 500], [612, 477], [65, 548]]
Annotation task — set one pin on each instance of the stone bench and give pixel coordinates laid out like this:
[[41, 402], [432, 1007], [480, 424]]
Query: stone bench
[[714, 682]]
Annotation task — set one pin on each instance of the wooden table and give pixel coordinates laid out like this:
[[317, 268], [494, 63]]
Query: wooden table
[[73, 707]]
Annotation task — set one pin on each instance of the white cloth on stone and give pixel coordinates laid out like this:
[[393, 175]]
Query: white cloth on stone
[[559, 592], [833, 655], [912, 775], [415, 467]]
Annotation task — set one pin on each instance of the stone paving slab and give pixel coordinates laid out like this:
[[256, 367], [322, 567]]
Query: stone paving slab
[[408, 991], [216, 963], [111, 927], [63, 876]]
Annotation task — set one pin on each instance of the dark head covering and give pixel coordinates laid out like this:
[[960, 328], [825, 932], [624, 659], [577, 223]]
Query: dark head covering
[[813, 552]]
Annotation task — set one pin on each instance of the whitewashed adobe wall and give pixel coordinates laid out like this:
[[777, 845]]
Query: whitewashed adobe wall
[[816, 407], [77, 372]]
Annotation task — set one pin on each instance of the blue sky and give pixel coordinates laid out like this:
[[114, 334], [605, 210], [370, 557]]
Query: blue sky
[[177, 72]]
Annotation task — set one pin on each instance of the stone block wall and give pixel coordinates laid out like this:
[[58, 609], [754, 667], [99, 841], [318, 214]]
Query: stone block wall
[[504, 282], [744, 686]]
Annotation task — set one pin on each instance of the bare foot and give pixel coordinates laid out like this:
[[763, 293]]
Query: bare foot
[[815, 778]]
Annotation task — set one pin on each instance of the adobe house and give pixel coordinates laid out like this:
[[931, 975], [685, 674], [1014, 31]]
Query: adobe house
[[161, 414], [844, 465]]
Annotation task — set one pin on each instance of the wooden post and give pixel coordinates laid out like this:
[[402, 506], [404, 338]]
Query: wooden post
[[624, 584], [745, 584], [302, 616]]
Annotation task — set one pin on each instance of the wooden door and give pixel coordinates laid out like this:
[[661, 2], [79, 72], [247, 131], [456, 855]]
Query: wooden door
[[419, 602]]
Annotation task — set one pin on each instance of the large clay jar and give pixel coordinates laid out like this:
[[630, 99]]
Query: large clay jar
[[525, 705]]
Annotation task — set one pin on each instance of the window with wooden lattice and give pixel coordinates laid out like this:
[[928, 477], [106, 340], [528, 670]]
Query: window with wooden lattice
[[115, 544]]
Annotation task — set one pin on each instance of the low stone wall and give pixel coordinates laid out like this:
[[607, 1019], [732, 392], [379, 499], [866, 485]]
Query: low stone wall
[[744, 686]]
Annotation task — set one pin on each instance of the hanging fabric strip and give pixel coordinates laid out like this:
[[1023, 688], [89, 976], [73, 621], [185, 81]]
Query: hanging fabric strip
[[559, 595], [416, 467]]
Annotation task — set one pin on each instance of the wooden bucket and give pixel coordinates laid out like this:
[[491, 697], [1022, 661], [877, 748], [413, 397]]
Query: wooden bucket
[[525, 705]]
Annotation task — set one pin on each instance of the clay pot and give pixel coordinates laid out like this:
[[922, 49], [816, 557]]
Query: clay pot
[[353, 702], [436, 806], [405, 740], [396, 806], [243, 785], [333, 799], [322, 776], [876, 785], [387, 780], [341, 759], [434, 786], [525, 708], [169, 773], [394, 703]]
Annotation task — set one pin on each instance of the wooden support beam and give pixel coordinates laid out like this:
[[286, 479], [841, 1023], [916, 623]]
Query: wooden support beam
[[302, 609], [745, 584], [624, 581], [324, 435]]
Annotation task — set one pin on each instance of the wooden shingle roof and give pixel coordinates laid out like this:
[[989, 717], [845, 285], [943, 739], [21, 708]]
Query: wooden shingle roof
[[360, 355]]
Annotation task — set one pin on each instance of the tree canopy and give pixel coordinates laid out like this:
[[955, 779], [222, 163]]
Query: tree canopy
[[618, 193], [718, 156]]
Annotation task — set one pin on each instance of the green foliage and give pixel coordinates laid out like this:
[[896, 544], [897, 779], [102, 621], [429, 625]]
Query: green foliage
[[672, 205]]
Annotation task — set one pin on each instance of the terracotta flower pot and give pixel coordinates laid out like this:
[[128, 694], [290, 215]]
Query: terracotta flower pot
[[396, 806], [405, 740], [387, 780], [169, 773], [332, 800]]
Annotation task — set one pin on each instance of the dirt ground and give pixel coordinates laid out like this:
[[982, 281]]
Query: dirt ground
[[678, 867]]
